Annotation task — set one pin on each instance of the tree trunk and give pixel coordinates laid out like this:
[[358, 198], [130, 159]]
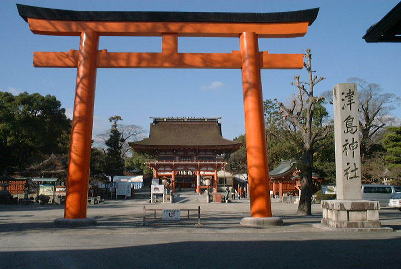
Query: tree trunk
[[307, 187]]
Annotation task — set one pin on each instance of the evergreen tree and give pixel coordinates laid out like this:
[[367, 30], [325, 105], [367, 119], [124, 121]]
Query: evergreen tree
[[392, 144], [114, 159], [137, 163], [97, 163], [237, 160], [32, 128], [283, 141]]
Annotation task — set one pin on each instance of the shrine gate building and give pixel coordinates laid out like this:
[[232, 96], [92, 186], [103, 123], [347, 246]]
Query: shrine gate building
[[187, 152]]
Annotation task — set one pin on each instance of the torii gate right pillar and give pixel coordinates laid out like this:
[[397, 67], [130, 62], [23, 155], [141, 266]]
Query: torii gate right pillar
[[254, 127]]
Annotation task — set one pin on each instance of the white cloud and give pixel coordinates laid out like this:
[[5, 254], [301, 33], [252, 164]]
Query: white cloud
[[213, 85], [69, 112], [390, 120], [14, 91], [100, 125]]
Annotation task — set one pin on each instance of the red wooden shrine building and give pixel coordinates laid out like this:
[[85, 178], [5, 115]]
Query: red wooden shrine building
[[286, 179], [188, 152]]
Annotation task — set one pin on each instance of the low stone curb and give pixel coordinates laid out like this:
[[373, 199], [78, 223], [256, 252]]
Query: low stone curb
[[327, 228], [261, 222], [62, 222]]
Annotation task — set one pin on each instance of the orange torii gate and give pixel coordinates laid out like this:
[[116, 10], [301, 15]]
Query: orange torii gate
[[90, 25]]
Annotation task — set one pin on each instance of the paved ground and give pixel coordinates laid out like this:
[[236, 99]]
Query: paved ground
[[28, 239]]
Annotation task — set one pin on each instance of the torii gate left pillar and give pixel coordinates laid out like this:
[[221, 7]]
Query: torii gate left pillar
[[90, 25], [81, 134]]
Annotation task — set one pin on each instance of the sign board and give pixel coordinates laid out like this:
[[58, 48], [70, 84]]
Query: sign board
[[171, 214], [155, 181], [157, 189], [123, 188], [328, 189], [45, 189], [136, 179], [61, 190]]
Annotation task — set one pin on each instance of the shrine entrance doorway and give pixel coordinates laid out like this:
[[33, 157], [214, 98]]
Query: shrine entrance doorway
[[186, 182]]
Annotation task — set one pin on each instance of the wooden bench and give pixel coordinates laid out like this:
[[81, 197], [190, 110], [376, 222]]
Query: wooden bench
[[155, 216]]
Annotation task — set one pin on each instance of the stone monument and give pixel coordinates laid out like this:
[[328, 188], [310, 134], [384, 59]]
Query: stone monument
[[349, 210]]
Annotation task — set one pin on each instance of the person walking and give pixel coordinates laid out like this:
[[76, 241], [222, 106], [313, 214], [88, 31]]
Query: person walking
[[227, 194]]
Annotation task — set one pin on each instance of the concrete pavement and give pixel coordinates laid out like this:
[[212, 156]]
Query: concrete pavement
[[29, 239]]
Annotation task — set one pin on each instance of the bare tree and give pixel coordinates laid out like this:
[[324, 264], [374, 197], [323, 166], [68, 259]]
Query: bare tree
[[374, 112], [129, 133], [306, 116]]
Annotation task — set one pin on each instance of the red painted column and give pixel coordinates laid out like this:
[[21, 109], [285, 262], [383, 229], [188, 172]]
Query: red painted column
[[81, 134], [216, 181], [254, 127], [198, 181], [275, 187], [280, 190], [173, 181]]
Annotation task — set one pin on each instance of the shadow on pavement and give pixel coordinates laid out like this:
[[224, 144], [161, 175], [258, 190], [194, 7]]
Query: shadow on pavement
[[33, 207], [106, 204], [214, 254]]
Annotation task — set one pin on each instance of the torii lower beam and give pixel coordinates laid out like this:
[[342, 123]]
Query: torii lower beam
[[107, 59], [90, 25]]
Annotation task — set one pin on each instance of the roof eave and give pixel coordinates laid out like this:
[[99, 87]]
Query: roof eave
[[142, 147], [383, 31]]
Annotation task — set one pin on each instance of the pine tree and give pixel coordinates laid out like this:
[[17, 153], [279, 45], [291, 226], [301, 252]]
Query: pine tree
[[392, 144], [114, 159]]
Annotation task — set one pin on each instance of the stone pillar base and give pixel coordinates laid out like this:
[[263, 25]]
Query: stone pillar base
[[62, 222], [261, 222], [351, 214]]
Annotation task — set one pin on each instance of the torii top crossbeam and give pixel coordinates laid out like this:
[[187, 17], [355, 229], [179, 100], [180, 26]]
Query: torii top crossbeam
[[91, 25], [169, 25], [143, 22]]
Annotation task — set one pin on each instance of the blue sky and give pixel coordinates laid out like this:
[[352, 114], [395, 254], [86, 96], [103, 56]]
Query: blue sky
[[335, 38]]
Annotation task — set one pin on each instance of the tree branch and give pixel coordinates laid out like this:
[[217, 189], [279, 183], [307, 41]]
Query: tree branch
[[291, 117], [322, 134]]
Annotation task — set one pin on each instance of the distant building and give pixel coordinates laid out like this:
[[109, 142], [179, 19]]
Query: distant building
[[188, 152], [26, 187], [16, 186]]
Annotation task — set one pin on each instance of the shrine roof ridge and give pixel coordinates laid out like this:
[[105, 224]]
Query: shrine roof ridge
[[26, 11], [184, 119]]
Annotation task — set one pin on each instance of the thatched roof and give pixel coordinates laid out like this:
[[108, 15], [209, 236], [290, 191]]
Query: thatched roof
[[185, 133]]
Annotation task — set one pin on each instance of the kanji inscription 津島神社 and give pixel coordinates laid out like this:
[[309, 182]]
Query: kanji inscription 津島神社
[[348, 160]]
